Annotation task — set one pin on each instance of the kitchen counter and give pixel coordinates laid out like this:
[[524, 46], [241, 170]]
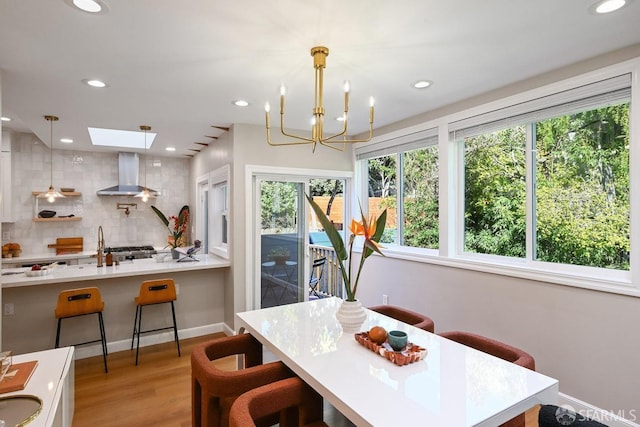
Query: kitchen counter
[[47, 258], [138, 267], [29, 324]]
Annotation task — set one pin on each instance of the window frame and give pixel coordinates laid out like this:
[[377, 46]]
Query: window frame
[[451, 204], [397, 147], [219, 190]]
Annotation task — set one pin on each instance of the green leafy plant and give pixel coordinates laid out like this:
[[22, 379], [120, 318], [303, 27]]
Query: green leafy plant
[[371, 229], [177, 225]]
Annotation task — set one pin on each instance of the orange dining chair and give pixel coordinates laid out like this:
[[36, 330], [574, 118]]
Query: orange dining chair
[[158, 291], [498, 349], [81, 302], [292, 400], [407, 316], [214, 390]]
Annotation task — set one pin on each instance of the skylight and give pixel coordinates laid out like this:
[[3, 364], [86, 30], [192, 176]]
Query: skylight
[[120, 138]]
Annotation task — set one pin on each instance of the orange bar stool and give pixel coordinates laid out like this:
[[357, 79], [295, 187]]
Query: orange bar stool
[[81, 302], [159, 291], [497, 349], [292, 400], [407, 316], [214, 390]]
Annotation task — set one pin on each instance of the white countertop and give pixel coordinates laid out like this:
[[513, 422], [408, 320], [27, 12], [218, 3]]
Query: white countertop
[[138, 267], [454, 385], [53, 372], [48, 257]]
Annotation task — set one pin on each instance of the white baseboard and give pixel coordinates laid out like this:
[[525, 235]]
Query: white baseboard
[[611, 418], [151, 339]]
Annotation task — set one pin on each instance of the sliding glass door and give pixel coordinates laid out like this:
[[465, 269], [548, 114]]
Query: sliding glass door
[[282, 236], [287, 239]]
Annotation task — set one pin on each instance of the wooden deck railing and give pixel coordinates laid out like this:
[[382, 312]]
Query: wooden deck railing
[[331, 283]]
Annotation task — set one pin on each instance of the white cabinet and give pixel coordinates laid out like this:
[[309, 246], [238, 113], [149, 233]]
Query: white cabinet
[[6, 206]]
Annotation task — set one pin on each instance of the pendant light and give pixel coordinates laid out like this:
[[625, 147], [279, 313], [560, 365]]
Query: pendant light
[[51, 195], [144, 194]]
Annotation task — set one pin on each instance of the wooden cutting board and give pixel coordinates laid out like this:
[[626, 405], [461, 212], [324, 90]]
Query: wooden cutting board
[[67, 245]]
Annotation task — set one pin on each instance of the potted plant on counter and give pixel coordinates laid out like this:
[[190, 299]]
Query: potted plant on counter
[[177, 226]]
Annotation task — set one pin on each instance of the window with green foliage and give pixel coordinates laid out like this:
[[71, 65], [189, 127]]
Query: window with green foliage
[[420, 191], [495, 193], [578, 209], [405, 182], [582, 188]]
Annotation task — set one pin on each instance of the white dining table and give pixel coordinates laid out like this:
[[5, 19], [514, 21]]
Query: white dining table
[[454, 385]]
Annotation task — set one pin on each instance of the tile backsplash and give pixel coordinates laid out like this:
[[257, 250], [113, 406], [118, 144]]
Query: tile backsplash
[[88, 172]]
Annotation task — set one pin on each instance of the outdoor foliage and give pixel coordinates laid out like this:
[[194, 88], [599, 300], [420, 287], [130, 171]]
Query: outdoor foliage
[[581, 190]]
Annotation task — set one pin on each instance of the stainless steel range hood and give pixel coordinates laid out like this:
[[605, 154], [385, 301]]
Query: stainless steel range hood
[[128, 168]]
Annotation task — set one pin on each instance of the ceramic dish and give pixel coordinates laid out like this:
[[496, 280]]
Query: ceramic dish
[[36, 273]]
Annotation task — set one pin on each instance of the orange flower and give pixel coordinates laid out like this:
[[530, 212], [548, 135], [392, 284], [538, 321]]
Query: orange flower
[[356, 228]]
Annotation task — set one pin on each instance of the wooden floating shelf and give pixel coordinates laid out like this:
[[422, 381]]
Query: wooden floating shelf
[[67, 194], [54, 219]]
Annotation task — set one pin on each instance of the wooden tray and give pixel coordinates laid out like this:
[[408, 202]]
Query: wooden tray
[[412, 353]]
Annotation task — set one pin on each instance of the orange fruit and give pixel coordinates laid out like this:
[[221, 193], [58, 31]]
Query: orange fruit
[[378, 334]]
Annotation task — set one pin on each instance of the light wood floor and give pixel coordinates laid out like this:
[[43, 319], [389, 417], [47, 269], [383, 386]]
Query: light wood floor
[[156, 393]]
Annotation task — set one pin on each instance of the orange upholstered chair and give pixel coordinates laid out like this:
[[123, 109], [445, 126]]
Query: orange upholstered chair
[[292, 400], [214, 390], [498, 349], [406, 316]]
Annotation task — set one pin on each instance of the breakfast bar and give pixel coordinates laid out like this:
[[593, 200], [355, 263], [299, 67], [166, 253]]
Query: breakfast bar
[[29, 323]]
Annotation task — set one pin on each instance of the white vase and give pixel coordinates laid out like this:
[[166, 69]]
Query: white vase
[[351, 316]]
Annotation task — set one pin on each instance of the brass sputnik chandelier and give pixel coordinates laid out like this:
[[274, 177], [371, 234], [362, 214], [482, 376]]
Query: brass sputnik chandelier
[[337, 141], [51, 195]]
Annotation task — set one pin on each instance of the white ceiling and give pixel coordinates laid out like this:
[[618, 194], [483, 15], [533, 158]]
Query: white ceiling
[[177, 66]]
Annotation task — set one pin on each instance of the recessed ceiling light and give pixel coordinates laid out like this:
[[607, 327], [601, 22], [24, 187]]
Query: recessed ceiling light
[[120, 138], [241, 103], [66, 140], [606, 6], [422, 84], [170, 148], [90, 6], [94, 83], [5, 119]]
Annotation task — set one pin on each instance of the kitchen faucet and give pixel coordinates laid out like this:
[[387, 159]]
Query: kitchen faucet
[[100, 246]]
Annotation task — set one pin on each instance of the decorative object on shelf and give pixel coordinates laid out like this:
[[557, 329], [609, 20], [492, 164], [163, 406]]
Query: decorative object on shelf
[[51, 195], [177, 225], [144, 194], [46, 214], [320, 54], [410, 354]]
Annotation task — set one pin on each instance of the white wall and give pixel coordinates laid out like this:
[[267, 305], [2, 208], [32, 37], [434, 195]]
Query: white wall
[[87, 173], [246, 145], [586, 339]]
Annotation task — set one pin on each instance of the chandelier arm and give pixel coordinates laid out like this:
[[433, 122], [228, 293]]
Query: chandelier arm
[[350, 141], [285, 133]]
